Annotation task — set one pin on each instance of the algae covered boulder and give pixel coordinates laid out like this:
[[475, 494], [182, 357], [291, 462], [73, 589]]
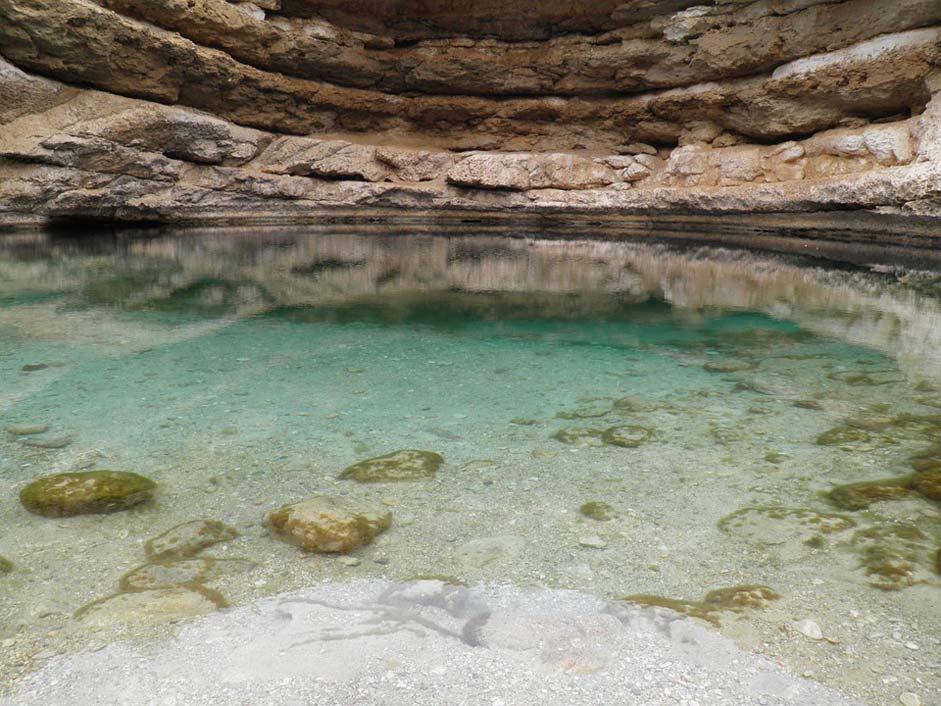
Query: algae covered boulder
[[188, 539], [405, 464], [6, 566], [87, 492], [328, 525]]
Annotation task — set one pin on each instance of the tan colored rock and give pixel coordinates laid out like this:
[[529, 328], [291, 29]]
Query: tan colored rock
[[188, 539], [162, 605], [328, 525]]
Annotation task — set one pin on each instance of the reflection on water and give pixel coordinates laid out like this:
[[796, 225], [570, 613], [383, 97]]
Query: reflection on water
[[748, 441]]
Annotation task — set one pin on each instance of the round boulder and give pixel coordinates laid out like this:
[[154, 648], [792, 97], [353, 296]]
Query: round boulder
[[327, 525], [88, 492]]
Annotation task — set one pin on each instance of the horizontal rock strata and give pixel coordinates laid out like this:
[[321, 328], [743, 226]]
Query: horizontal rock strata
[[186, 110]]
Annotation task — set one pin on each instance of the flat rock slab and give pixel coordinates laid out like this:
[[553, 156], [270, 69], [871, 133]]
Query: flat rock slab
[[426, 643]]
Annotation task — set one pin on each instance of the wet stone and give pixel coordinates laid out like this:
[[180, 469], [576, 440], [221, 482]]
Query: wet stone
[[27, 429], [88, 492], [327, 525], [738, 598], [162, 605], [595, 510], [728, 366], [842, 434], [771, 525], [579, 437], [928, 484], [859, 496], [592, 410], [406, 464], [894, 556], [188, 539], [177, 572], [6, 566], [49, 442], [627, 436]]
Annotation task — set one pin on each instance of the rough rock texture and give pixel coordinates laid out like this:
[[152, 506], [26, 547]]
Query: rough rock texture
[[87, 492], [328, 525], [195, 110]]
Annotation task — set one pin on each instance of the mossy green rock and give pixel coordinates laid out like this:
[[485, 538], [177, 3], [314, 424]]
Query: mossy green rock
[[84, 493], [327, 525], [627, 436], [859, 496], [727, 366], [406, 464], [188, 539], [579, 437], [6, 566]]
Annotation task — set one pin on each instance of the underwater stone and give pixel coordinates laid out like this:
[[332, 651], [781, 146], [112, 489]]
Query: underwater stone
[[579, 437], [406, 464], [859, 496], [727, 366], [27, 429], [177, 572], [160, 605], [594, 510], [892, 554], [808, 628], [842, 434], [327, 525], [88, 492], [52, 442], [588, 411], [928, 483], [188, 539], [627, 436], [6, 566], [773, 525], [738, 598]]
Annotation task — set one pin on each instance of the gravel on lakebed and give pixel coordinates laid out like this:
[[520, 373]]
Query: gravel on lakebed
[[426, 642]]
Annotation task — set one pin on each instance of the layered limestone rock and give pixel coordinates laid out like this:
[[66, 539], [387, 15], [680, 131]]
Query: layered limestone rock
[[194, 110]]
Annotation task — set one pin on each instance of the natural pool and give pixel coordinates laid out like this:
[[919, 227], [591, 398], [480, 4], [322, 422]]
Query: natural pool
[[618, 418]]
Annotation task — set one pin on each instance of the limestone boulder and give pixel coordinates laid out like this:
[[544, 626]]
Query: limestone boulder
[[86, 492]]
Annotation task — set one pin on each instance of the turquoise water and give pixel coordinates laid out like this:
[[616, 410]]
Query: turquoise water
[[242, 372]]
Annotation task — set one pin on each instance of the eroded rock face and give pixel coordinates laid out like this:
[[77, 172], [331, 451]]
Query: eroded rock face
[[205, 109]]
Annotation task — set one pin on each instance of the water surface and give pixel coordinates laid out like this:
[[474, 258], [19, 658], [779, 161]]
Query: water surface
[[245, 371]]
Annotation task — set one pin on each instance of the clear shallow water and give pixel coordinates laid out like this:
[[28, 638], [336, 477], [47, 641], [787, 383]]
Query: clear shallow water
[[242, 372]]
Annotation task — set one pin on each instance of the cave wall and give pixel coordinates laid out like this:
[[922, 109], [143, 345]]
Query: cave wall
[[182, 110]]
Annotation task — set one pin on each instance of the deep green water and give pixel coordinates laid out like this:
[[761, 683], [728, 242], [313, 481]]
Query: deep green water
[[242, 372]]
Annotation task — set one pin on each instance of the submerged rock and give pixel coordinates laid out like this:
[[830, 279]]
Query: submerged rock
[[27, 429], [579, 437], [50, 442], [324, 524], [626, 436], [87, 492], [859, 496], [774, 525], [406, 464], [928, 483], [735, 599], [894, 556], [179, 572], [6, 566], [728, 366], [162, 605], [188, 539], [842, 434], [595, 510]]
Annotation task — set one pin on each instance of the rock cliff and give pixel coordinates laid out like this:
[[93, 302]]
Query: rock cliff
[[200, 110]]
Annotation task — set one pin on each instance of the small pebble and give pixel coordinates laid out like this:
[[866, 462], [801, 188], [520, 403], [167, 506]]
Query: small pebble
[[909, 699], [53, 442], [349, 561], [808, 628], [911, 645]]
